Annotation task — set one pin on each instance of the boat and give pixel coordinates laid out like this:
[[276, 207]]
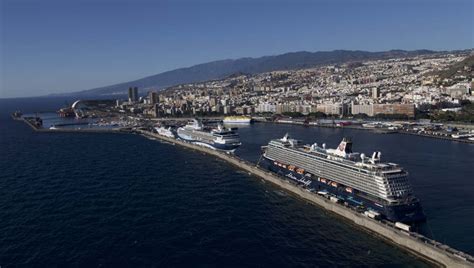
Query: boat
[[237, 120], [461, 136], [364, 182], [372, 125], [16, 115], [66, 112], [219, 138], [166, 132]]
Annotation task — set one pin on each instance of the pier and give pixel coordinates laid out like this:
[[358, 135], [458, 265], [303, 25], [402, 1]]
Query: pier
[[417, 244], [30, 121], [375, 130], [425, 248]]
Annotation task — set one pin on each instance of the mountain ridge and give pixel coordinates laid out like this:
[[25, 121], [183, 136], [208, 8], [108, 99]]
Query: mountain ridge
[[222, 68]]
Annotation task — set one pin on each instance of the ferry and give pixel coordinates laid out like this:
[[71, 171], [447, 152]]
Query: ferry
[[358, 181], [237, 120], [219, 138]]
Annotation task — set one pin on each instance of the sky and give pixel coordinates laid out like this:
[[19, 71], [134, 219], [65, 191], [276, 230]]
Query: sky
[[57, 46]]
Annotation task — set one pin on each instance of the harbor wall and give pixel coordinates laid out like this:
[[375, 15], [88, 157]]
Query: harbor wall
[[74, 130], [425, 248]]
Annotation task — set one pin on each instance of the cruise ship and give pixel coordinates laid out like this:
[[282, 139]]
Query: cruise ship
[[220, 138], [345, 176], [166, 132], [237, 120]]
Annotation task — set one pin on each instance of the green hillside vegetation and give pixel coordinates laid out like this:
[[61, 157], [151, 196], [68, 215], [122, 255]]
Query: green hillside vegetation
[[464, 68], [465, 115]]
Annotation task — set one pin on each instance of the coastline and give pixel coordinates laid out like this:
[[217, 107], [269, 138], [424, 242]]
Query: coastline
[[376, 130]]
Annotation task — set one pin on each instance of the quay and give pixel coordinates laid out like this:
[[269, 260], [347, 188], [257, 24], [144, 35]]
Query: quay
[[374, 130], [425, 248], [417, 244], [30, 121]]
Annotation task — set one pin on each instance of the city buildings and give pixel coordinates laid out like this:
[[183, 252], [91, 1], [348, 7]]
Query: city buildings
[[393, 87]]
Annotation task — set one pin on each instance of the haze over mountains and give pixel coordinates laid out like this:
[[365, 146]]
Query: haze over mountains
[[223, 68]]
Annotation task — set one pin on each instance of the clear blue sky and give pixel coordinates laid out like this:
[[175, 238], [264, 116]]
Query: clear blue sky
[[63, 45]]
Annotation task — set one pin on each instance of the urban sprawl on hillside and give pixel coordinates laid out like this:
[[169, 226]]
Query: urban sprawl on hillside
[[394, 88]]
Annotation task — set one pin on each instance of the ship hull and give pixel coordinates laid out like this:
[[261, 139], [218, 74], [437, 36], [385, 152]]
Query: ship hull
[[210, 144], [236, 122], [410, 212]]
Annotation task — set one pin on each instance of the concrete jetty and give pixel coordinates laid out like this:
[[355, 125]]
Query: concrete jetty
[[417, 244], [31, 122], [430, 250]]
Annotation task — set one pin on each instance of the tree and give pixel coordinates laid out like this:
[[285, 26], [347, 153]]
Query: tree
[[361, 116], [293, 114], [318, 115]]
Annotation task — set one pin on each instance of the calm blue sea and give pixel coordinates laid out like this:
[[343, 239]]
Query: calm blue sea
[[115, 200]]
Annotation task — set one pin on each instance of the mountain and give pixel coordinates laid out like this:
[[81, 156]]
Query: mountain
[[223, 68]]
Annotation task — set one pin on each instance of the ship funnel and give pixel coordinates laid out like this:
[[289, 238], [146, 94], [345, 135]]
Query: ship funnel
[[345, 146], [196, 124], [376, 157]]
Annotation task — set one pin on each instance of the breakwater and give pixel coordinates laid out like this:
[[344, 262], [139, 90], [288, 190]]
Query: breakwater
[[415, 243], [428, 249], [31, 121]]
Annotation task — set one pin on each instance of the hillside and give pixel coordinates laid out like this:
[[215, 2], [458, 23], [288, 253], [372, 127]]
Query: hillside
[[224, 68], [463, 68]]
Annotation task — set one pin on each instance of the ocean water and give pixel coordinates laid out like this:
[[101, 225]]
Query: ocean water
[[116, 200]]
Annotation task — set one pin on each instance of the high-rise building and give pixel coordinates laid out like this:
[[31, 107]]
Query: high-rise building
[[212, 101], [132, 94], [375, 93], [374, 109], [153, 97], [471, 92]]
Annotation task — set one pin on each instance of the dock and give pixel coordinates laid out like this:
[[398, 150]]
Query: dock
[[376, 130], [417, 244], [414, 243], [30, 121]]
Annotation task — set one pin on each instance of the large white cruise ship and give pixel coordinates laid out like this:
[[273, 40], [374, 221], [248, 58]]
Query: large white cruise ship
[[357, 180], [219, 138]]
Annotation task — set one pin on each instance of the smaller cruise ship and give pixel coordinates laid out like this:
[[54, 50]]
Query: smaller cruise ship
[[237, 120], [219, 138], [165, 131]]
